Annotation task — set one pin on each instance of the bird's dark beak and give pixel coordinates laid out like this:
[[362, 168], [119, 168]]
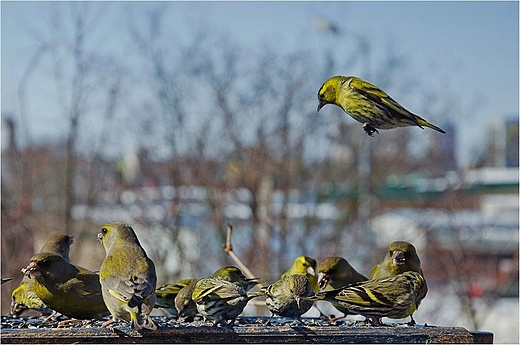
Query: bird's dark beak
[[100, 237], [321, 104], [398, 258]]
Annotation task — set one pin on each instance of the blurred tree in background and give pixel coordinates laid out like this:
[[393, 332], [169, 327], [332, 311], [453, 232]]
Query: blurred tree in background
[[187, 135]]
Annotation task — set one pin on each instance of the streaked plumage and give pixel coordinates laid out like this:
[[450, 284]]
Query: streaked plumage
[[219, 300], [284, 297], [336, 272], [307, 266], [397, 296], [368, 104], [166, 294], [234, 275], [184, 304]]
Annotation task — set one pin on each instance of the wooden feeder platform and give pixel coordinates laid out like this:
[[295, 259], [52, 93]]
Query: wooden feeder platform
[[251, 330]]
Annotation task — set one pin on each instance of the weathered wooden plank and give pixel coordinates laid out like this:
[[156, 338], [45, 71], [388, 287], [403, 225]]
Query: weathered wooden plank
[[253, 332]]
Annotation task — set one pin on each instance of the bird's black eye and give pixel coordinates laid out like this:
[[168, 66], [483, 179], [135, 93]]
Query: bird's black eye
[[104, 231], [45, 263]]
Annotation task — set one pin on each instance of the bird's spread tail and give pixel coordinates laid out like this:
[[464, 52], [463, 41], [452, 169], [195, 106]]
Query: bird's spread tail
[[423, 122]]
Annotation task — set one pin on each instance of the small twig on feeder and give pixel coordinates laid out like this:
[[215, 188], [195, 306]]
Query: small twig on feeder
[[228, 249]]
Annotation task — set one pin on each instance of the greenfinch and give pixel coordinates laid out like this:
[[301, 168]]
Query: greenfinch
[[336, 272], [306, 266], [165, 296], [68, 289], [184, 304], [368, 104], [127, 276], [401, 257], [24, 296], [397, 296], [286, 297]]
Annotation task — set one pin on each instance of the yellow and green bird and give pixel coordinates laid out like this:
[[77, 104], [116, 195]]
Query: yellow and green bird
[[368, 104]]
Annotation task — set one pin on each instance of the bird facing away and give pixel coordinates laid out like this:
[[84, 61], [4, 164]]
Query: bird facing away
[[397, 296], [368, 104], [127, 276], [286, 296], [220, 300], [68, 289]]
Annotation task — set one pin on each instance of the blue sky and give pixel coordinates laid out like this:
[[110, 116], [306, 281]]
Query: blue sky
[[468, 48]]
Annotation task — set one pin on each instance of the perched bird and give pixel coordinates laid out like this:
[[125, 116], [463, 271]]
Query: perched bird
[[286, 296], [127, 276], [335, 272], [397, 296], [234, 275], [24, 295], [306, 266], [368, 104], [222, 296], [401, 257], [58, 244], [184, 304], [165, 295], [68, 289]]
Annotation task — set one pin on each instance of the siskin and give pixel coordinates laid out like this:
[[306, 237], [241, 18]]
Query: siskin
[[184, 304], [368, 104], [220, 300], [234, 275], [24, 295], [397, 296], [306, 266], [165, 296], [127, 276], [286, 296], [68, 289]]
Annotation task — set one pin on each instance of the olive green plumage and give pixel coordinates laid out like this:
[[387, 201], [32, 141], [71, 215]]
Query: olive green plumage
[[23, 296], [184, 304], [68, 289], [397, 296], [219, 300], [127, 276], [307, 266], [166, 294], [368, 104], [285, 297], [336, 272]]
